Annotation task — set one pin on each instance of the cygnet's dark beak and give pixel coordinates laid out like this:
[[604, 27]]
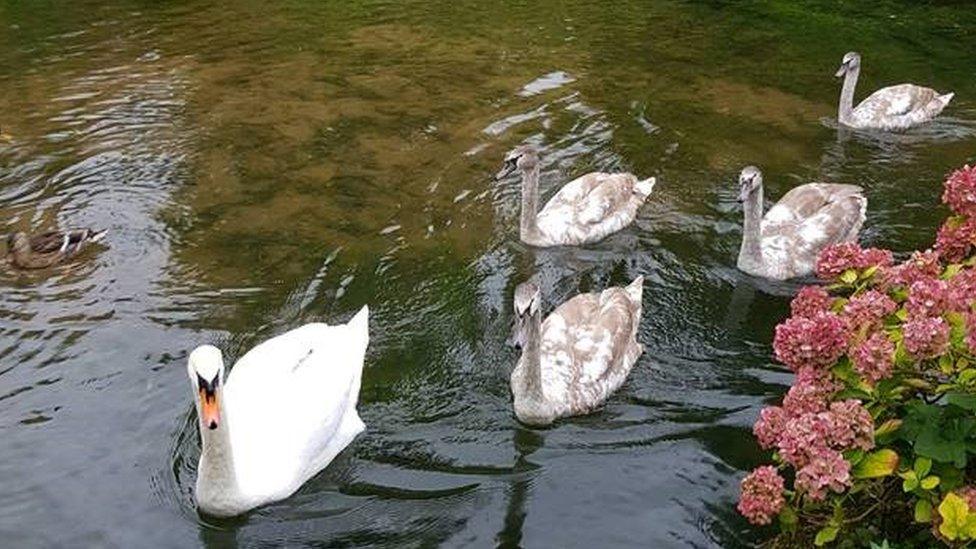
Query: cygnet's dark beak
[[744, 191], [515, 339], [507, 168], [841, 70]]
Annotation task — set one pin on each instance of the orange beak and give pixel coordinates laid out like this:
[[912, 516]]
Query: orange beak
[[209, 410]]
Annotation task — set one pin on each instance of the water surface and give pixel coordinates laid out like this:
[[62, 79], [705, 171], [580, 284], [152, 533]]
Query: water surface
[[261, 166]]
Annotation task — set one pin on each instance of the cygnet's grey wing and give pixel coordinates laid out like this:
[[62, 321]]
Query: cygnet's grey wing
[[812, 217], [900, 107], [588, 347]]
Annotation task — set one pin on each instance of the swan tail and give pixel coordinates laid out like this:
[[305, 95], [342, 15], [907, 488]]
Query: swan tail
[[95, 236], [645, 187], [944, 99]]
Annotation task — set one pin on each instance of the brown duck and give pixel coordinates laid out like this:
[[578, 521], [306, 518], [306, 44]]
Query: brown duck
[[50, 248]]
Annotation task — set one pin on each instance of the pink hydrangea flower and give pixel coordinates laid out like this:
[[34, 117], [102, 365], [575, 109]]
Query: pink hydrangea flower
[[926, 337], [827, 470], [837, 258], [802, 437], [850, 425], [869, 310], [761, 496], [928, 297], [960, 191], [809, 301], [956, 238], [772, 420], [810, 342], [920, 265], [875, 257], [810, 392], [971, 332], [874, 358], [962, 290]]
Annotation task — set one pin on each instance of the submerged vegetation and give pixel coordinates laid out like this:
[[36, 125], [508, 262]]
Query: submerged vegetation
[[873, 440]]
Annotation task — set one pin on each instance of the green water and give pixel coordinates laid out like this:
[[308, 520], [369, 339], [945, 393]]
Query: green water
[[261, 166]]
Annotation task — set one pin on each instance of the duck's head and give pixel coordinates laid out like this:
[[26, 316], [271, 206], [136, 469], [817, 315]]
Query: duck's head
[[206, 370], [526, 306], [523, 157], [851, 61], [749, 180]]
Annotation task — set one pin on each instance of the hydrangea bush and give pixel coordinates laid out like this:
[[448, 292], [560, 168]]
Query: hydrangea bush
[[873, 439]]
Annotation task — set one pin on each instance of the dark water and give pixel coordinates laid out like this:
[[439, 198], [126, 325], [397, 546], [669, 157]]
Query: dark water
[[260, 167]]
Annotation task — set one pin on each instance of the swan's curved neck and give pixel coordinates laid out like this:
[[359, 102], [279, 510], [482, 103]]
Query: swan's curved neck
[[529, 227], [217, 470], [846, 106], [531, 356], [751, 250]]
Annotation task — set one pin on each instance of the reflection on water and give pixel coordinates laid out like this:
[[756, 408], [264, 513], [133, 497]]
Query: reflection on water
[[263, 166]]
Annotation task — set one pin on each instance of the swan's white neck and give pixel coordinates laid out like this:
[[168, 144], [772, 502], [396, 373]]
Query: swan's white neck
[[216, 475], [529, 227], [846, 107], [531, 357], [751, 251]]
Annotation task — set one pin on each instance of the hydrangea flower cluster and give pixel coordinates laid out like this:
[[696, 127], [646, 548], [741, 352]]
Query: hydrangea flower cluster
[[762, 495], [815, 342], [928, 297], [956, 238], [960, 191], [921, 265], [926, 337], [874, 358], [810, 301], [868, 310], [834, 260]]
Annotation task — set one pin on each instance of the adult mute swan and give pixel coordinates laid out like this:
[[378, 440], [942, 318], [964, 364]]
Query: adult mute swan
[[892, 108], [585, 210], [581, 354], [287, 409], [786, 241], [50, 248]]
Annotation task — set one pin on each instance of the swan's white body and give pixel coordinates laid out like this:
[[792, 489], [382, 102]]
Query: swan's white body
[[585, 210], [892, 108], [579, 356], [286, 411], [785, 242]]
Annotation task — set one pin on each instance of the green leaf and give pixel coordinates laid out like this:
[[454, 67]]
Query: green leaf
[[826, 535], [880, 463], [922, 466], [954, 513], [902, 314], [910, 481], [849, 276], [923, 511], [962, 363], [886, 429], [952, 270], [962, 400], [869, 272], [967, 375], [929, 482], [788, 519], [946, 364]]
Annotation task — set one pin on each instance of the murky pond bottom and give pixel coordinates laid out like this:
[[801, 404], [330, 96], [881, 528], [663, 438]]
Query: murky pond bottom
[[259, 167]]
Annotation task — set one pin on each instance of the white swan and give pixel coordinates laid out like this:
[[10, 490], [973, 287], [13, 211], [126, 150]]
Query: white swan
[[581, 354], [287, 409], [585, 210], [785, 243], [892, 108]]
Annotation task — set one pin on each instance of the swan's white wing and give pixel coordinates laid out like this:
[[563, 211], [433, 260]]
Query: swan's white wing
[[287, 400], [591, 207]]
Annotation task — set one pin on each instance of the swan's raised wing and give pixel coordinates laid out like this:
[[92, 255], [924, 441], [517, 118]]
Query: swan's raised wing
[[287, 398], [584, 341]]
